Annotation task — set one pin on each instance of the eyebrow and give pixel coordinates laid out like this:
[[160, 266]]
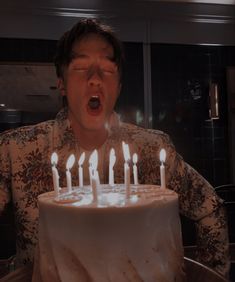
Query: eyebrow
[[78, 56], [84, 56]]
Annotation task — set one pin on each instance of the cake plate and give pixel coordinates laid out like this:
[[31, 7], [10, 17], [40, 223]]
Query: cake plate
[[197, 272]]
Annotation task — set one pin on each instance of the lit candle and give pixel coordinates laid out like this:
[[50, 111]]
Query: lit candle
[[112, 160], [93, 160], [95, 166], [90, 172], [69, 165], [126, 153], [80, 169], [162, 168], [135, 171], [94, 187], [55, 174]]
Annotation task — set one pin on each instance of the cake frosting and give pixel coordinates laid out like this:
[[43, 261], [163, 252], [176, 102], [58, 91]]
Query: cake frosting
[[111, 239]]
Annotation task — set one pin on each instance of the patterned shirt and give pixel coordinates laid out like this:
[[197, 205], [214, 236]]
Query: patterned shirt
[[25, 173]]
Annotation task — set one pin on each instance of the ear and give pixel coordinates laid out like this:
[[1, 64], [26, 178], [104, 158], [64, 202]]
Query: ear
[[61, 86]]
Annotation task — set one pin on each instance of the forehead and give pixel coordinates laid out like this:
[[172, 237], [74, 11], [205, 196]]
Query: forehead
[[93, 44]]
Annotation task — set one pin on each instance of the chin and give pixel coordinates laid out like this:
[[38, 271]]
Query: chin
[[95, 125]]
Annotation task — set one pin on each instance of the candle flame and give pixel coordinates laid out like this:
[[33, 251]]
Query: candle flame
[[93, 160], [70, 162], [126, 151], [112, 157], [162, 155], [81, 159], [135, 158], [54, 158]]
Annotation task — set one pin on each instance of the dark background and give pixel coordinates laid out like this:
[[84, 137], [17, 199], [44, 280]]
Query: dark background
[[180, 83]]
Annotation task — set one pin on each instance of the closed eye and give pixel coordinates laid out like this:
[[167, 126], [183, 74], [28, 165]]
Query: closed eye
[[108, 71], [80, 69]]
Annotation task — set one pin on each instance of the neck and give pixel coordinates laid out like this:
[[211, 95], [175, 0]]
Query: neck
[[90, 139]]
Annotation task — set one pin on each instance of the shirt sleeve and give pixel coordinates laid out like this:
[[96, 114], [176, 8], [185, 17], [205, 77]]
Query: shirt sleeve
[[199, 202], [213, 241], [5, 174]]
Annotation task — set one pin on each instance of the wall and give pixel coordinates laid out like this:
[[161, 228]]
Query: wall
[[155, 21], [181, 77]]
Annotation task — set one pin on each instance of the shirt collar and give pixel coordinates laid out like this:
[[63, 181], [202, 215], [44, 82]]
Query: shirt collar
[[63, 133]]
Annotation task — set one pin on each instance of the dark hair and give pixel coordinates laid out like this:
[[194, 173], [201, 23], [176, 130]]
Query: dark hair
[[82, 28]]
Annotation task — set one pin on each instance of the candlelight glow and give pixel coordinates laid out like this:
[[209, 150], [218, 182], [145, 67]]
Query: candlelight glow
[[93, 160], [70, 162], [54, 159], [55, 174], [80, 169], [135, 158], [94, 175], [112, 158], [162, 155], [81, 159], [126, 151]]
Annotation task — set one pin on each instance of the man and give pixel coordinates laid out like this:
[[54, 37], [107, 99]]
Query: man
[[89, 68]]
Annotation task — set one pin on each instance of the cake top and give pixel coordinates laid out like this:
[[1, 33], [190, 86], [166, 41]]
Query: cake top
[[103, 195], [110, 196]]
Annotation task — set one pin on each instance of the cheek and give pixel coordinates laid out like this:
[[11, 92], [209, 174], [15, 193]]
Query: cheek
[[113, 95], [113, 89], [74, 88], [114, 86], [74, 100], [74, 80]]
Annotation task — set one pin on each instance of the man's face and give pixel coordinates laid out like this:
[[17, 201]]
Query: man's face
[[91, 83]]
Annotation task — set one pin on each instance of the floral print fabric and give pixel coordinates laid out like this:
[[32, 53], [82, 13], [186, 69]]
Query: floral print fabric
[[25, 173]]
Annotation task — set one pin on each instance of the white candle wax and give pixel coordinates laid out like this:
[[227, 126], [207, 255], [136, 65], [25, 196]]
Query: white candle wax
[[97, 177], [94, 176], [126, 154], [163, 176], [80, 174], [55, 176], [135, 172], [112, 160], [80, 169], [69, 181], [90, 173], [93, 164], [94, 186], [162, 156], [127, 179], [111, 176]]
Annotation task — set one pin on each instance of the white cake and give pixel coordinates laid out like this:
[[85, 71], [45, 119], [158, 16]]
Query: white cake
[[111, 239]]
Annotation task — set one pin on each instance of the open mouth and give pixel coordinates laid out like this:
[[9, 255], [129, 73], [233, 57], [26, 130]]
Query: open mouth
[[94, 103], [94, 106]]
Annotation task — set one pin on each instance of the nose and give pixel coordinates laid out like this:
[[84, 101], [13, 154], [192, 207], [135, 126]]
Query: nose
[[95, 76]]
